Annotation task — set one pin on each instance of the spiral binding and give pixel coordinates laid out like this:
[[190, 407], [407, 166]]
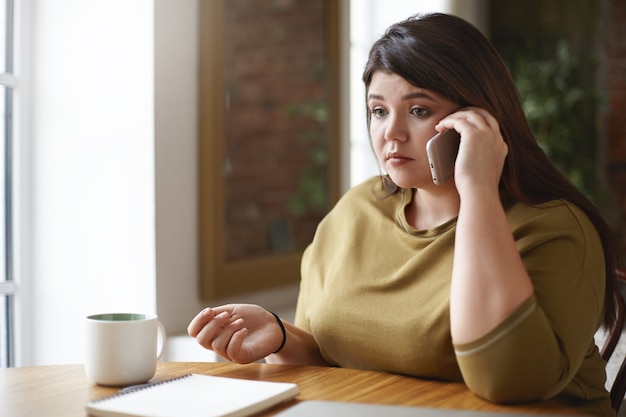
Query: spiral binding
[[135, 388]]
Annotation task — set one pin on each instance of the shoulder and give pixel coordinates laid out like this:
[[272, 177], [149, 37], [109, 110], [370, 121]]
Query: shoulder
[[371, 192], [551, 215], [556, 229], [364, 205], [367, 189]]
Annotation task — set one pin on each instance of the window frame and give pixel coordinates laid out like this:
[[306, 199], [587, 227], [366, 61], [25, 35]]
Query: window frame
[[8, 287]]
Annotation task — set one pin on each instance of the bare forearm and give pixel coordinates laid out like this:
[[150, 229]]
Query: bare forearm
[[489, 280]]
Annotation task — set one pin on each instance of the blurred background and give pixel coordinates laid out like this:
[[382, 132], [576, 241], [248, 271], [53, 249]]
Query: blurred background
[[164, 155]]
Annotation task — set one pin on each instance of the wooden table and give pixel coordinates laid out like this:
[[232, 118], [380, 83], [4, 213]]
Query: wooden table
[[63, 390]]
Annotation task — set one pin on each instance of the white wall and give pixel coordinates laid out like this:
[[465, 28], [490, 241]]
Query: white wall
[[176, 160], [92, 197]]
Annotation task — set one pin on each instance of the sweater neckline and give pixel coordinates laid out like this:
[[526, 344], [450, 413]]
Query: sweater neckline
[[405, 199]]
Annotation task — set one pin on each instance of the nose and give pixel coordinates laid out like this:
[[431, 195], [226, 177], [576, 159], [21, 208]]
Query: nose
[[396, 129]]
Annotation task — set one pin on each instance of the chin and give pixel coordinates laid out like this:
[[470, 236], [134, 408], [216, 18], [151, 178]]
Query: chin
[[407, 182]]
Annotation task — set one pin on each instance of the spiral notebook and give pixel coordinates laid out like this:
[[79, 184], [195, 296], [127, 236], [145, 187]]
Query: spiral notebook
[[195, 395]]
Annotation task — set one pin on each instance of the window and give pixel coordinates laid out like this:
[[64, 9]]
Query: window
[[7, 86], [274, 173]]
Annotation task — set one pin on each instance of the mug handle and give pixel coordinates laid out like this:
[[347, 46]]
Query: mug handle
[[162, 337]]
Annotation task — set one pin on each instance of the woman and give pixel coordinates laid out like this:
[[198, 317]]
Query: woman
[[499, 277]]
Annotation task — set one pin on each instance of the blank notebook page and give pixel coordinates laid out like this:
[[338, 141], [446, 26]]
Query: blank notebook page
[[195, 395]]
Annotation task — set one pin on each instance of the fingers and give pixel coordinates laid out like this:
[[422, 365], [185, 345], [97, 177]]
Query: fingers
[[234, 347], [213, 329], [469, 117], [206, 316], [200, 321], [223, 341], [482, 151], [477, 127]]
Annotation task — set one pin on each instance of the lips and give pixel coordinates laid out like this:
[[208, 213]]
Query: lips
[[395, 156]]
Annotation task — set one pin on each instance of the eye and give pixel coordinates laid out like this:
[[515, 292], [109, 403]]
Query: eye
[[420, 111], [378, 112]]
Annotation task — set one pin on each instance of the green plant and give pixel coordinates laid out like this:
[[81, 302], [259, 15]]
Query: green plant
[[312, 193], [560, 103]]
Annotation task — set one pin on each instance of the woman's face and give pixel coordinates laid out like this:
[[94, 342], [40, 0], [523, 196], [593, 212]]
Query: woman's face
[[403, 119]]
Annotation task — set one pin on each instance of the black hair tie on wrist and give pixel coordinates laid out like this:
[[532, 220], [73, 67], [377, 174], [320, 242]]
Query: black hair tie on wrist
[[282, 329]]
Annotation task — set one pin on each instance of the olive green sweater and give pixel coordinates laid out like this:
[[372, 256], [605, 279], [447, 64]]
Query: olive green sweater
[[375, 293]]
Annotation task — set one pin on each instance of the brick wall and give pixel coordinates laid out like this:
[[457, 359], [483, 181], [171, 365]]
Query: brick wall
[[276, 133]]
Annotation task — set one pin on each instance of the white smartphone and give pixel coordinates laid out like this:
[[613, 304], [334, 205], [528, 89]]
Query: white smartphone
[[442, 150]]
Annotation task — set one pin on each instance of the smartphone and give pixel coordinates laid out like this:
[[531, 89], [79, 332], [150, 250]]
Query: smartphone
[[442, 150]]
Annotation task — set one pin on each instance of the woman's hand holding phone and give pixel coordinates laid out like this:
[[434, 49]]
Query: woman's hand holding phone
[[482, 149]]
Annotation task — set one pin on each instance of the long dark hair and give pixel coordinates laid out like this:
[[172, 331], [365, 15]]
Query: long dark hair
[[444, 53]]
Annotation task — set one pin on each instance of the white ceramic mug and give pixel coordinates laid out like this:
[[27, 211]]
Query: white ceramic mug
[[123, 348]]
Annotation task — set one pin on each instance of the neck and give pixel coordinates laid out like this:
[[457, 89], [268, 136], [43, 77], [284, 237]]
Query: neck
[[434, 206]]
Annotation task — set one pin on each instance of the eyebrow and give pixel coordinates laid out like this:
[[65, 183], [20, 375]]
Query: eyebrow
[[410, 96]]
